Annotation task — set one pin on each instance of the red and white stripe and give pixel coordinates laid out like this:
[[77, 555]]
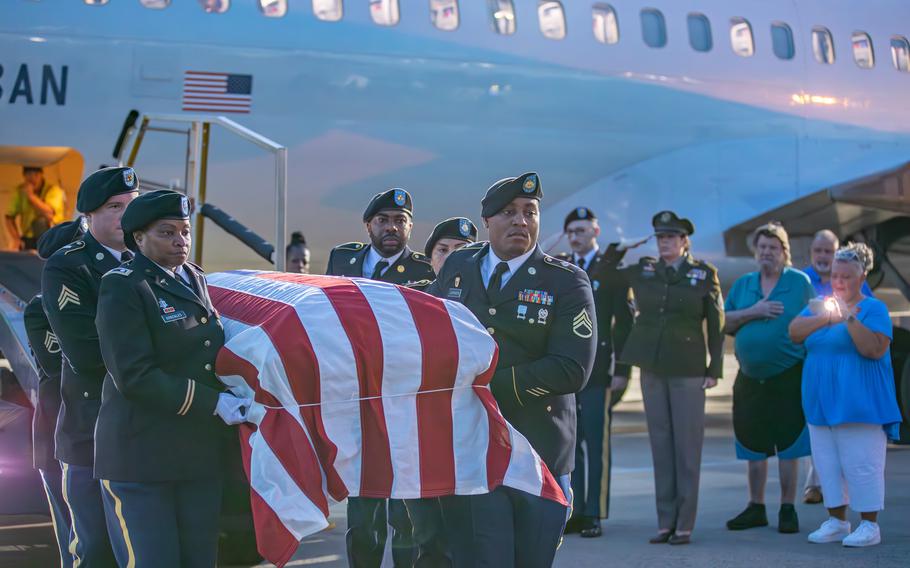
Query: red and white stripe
[[363, 389], [205, 91]]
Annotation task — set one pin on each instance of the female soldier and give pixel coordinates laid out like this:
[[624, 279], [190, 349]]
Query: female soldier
[[159, 447], [674, 296]]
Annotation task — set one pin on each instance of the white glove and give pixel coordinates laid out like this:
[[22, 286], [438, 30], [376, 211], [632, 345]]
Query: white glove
[[232, 409]]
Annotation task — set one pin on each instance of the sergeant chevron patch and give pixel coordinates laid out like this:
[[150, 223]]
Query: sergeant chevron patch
[[51, 343], [582, 325], [67, 297]]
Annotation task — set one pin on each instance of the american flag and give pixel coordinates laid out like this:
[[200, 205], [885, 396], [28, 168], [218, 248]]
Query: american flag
[[204, 91], [363, 388]]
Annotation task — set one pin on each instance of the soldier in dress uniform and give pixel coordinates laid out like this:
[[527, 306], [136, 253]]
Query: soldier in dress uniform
[[46, 350], [160, 447], [448, 236], [69, 284], [388, 219], [540, 311], [591, 479], [676, 297]]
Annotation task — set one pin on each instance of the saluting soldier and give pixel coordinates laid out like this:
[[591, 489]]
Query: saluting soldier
[[388, 219], [46, 350], [676, 297], [591, 479], [69, 284], [160, 448], [540, 311]]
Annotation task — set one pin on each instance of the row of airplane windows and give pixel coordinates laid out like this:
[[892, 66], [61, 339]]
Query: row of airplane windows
[[551, 19]]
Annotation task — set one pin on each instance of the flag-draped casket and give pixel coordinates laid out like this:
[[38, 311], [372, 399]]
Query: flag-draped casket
[[362, 388]]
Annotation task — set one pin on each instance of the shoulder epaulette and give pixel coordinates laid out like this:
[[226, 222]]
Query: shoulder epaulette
[[474, 246], [74, 246], [350, 246], [196, 266], [119, 271], [420, 257], [555, 262]]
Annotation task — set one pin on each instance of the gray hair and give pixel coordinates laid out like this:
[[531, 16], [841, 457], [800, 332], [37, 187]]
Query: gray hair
[[828, 235], [857, 253]]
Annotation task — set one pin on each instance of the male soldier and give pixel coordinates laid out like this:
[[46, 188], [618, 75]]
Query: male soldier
[[591, 480], [446, 237], [36, 206], [46, 350], [70, 283], [388, 221], [541, 313]]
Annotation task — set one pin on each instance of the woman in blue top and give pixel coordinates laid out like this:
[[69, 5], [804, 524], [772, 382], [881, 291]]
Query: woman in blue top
[[848, 397], [767, 408]]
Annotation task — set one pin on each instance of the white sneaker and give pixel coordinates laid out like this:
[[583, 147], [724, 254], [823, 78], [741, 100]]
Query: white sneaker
[[832, 530], [866, 534]]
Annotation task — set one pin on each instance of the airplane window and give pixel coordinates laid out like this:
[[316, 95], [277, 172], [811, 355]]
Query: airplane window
[[96, 2], [863, 54], [606, 26], [900, 53], [699, 32], [215, 6], [155, 4], [823, 45], [782, 40], [273, 8], [444, 14], [502, 16], [741, 37], [653, 27], [328, 10], [384, 12], [552, 19]]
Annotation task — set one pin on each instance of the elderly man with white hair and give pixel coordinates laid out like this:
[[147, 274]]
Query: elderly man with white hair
[[848, 397]]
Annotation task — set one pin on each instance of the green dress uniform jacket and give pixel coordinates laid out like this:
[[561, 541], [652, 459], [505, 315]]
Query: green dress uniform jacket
[[544, 323], [411, 266], [159, 339], [70, 284], [667, 337], [46, 348], [614, 315]]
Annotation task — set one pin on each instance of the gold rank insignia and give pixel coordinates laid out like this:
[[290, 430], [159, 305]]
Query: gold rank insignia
[[400, 268], [582, 326]]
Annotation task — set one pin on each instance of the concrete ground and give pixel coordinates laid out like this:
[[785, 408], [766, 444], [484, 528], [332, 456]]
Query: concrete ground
[[632, 516]]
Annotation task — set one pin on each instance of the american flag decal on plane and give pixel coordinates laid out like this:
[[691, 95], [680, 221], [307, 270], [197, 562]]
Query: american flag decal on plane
[[204, 91]]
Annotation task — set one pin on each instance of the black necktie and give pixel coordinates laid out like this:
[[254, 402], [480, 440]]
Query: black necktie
[[126, 256], [671, 272], [377, 270], [496, 278], [581, 262]]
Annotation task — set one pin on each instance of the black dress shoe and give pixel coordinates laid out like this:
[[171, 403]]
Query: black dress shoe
[[753, 516], [787, 521], [590, 527], [661, 537], [573, 525], [680, 539]]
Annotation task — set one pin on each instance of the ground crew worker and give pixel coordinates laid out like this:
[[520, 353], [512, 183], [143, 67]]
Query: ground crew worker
[[36, 206], [540, 311], [160, 451], [69, 284]]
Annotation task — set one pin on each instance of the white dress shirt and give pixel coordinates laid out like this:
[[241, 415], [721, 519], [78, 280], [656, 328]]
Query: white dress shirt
[[589, 257], [373, 258], [491, 260]]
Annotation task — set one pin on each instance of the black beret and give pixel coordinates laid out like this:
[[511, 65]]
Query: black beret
[[396, 198], [148, 208], [669, 222], [104, 184], [505, 190], [578, 214], [60, 235], [460, 228]]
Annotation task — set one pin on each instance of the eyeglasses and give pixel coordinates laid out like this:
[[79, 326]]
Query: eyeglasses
[[847, 255]]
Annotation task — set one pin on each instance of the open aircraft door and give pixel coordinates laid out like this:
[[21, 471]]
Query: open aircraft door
[[875, 210]]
